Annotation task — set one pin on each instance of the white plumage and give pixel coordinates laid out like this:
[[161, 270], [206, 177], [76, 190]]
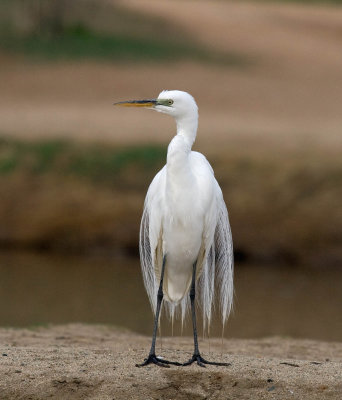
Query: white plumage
[[185, 218]]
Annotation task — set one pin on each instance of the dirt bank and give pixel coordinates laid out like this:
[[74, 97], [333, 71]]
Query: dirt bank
[[84, 199], [97, 362]]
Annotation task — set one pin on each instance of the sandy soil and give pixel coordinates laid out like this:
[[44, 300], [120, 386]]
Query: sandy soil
[[97, 362], [289, 96]]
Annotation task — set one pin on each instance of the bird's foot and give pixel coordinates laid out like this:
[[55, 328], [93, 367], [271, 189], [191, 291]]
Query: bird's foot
[[201, 361], [153, 359]]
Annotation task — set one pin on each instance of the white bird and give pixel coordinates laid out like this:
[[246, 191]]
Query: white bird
[[185, 236]]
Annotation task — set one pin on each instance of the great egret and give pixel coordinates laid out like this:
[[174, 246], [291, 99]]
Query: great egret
[[185, 236]]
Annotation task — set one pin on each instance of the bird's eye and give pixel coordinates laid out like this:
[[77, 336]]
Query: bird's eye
[[170, 102]]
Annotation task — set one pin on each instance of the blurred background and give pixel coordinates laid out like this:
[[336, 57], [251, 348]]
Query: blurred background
[[267, 76]]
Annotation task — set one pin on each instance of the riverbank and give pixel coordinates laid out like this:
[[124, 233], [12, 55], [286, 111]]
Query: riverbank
[[65, 196]]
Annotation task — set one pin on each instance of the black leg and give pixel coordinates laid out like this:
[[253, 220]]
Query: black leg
[[152, 358], [196, 357]]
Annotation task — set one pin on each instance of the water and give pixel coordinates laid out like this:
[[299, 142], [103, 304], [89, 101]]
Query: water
[[40, 289]]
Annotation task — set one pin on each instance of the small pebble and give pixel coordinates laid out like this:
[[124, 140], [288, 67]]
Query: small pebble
[[290, 364], [270, 389]]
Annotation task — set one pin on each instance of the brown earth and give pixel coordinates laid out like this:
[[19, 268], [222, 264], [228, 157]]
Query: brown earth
[[98, 362]]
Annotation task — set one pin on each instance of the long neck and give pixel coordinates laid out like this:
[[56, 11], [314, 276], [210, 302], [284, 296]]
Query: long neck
[[187, 127], [180, 147]]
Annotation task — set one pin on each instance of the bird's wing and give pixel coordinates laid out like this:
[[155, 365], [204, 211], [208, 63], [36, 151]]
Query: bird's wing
[[215, 261], [224, 258], [150, 243], [217, 264]]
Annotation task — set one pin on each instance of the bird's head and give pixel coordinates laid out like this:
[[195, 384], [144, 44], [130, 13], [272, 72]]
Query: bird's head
[[173, 102]]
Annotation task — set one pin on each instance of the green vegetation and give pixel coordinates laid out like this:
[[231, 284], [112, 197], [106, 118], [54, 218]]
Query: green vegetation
[[78, 42], [66, 31], [96, 163]]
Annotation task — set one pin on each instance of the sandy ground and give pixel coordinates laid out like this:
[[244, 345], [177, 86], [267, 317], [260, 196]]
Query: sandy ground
[[289, 96], [97, 362]]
